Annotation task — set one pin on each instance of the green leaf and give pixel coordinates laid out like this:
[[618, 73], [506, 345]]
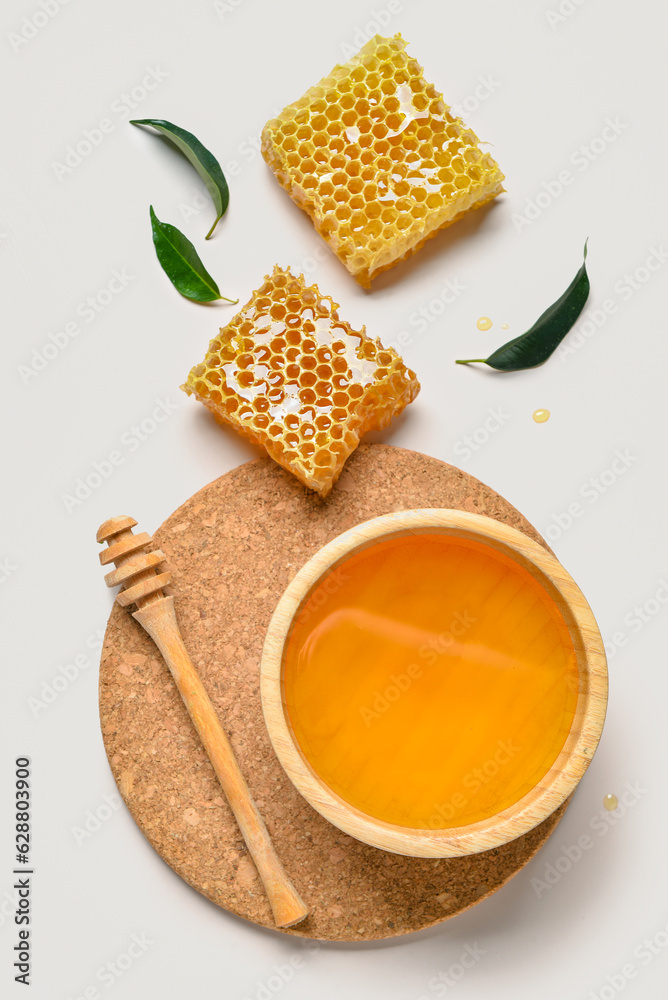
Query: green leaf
[[181, 264], [535, 346], [204, 162]]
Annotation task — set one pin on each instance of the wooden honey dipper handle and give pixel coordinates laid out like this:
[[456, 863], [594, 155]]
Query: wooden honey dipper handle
[[138, 571]]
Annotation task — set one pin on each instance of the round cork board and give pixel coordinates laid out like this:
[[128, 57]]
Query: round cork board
[[233, 548]]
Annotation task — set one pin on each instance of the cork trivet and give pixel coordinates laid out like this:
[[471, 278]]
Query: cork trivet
[[233, 548]]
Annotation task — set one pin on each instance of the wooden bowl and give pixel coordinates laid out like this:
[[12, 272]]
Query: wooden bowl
[[580, 743]]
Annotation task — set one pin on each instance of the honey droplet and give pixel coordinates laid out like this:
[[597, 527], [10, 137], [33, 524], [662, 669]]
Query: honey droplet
[[484, 323], [540, 416], [610, 802], [504, 326]]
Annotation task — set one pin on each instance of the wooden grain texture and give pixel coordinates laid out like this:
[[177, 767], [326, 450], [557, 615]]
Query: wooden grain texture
[[233, 549], [143, 583], [560, 780]]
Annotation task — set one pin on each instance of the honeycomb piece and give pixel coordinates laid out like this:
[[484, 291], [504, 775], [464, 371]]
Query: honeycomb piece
[[376, 158], [293, 377]]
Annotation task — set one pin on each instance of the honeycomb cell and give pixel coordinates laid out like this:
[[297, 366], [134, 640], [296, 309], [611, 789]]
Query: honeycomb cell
[[307, 404], [389, 117]]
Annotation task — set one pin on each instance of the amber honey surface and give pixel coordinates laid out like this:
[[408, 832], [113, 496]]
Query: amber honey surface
[[377, 159], [430, 681], [293, 376]]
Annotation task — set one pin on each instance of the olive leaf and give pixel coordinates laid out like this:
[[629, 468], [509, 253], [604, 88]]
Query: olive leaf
[[535, 346], [204, 162], [181, 264]]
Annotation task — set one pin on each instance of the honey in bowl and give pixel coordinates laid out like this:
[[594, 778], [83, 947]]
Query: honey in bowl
[[430, 680]]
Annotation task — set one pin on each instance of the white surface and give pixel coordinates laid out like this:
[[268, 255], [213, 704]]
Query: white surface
[[226, 69]]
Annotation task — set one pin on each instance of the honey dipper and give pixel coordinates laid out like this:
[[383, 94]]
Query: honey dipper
[[142, 583]]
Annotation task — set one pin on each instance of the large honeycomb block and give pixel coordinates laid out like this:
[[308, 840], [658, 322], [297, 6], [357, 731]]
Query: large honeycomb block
[[375, 157], [293, 377]]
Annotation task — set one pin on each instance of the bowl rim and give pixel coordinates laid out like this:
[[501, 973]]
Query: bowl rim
[[580, 744]]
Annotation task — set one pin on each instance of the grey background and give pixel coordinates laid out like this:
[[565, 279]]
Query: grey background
[[552, 81]]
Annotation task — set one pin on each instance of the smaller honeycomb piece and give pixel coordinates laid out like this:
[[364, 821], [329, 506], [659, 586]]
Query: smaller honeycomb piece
[[374, 155], [292, 376]]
